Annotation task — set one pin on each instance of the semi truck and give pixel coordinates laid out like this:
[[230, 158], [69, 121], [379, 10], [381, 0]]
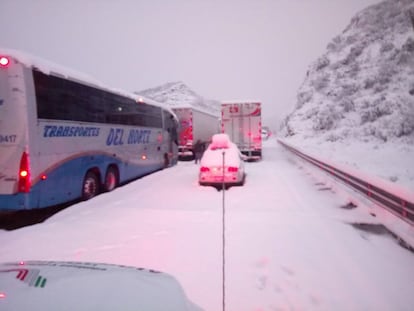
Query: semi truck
[[242, 121], [195, 124]]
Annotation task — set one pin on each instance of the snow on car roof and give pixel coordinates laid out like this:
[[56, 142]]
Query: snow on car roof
[[52, 285], [221, 145], [220, 141]]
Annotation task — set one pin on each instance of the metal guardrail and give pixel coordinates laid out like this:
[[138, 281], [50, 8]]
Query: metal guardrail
[[395, 203]]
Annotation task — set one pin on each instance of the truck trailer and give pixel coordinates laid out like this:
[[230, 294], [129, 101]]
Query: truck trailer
[[242, 121], [195, 124]]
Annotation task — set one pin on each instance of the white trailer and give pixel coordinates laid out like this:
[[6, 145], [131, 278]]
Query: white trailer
[[195, 125], [242, 121]]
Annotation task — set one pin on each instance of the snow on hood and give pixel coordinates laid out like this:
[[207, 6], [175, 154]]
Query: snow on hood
[[57, 285]]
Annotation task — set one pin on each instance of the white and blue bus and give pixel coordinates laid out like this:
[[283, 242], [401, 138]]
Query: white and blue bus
[[64, 138]]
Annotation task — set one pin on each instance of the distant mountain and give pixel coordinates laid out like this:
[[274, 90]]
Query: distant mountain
[[177, 94], [362, 87]]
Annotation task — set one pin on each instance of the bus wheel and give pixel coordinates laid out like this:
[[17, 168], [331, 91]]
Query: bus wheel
[[111, 179], [90, 187], [166, 160]]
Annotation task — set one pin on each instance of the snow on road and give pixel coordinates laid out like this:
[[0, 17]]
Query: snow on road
[[288, 243]]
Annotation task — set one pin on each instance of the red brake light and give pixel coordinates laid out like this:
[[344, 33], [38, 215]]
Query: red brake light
[[24, 174], [204, 169], [4, 61], [190, 136], [233, 169]]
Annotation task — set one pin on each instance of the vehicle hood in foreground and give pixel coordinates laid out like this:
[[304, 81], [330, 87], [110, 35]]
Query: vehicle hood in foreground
[[58, 285]]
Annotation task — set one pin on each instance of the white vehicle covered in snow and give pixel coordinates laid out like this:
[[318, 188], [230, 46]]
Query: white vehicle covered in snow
[[57, 285], [222, 163]]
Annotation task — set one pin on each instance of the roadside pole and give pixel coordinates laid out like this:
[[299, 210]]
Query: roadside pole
[[223, 235]]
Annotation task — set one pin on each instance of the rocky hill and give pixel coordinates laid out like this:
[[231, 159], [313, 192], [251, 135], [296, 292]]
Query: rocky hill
[[362, 87], [177, 94]]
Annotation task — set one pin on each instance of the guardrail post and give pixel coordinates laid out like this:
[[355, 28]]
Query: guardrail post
[[404, 211]]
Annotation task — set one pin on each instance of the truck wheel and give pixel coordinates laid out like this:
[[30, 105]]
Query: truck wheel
[[90, 186], [111, 179]]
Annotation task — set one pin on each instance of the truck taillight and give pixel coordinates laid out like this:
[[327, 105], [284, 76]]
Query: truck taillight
[[24, 174], [204, 169], [4, 61], [190, 133]]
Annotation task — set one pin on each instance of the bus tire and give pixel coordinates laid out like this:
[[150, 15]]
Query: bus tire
[[90, 186], [166, 160], [111, 179]]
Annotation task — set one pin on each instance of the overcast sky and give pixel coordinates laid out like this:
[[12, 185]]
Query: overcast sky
[[222, 49]]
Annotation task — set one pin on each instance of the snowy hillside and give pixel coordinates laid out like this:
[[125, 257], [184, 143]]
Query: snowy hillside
[[177, 94], [357, 100]]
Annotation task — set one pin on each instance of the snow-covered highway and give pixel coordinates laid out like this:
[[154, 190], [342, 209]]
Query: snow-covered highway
[[288, 243]]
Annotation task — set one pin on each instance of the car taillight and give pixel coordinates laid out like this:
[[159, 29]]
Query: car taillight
[[4, 61], [233, 169], [24, 174], [204, 169]]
